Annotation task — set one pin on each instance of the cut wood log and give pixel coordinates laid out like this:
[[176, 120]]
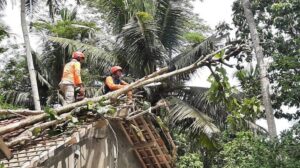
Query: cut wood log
[[24, 112], [5, 150]]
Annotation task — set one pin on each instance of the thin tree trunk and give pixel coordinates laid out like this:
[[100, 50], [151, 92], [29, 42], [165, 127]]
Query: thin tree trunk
[[32, 74], [264, 81]]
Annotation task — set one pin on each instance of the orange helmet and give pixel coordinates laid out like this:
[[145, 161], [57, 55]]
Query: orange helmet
[[77, 55], [114, 69]]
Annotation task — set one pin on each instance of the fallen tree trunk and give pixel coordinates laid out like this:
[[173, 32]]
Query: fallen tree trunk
[[160, 75], [29, 134], [25, 112]]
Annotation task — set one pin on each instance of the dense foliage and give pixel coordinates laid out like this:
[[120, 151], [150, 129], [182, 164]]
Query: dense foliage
[[279, 32]]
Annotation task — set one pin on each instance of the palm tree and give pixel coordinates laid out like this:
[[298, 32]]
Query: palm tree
[[32, 74]]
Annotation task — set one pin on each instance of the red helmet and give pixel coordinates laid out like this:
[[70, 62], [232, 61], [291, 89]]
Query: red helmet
[[77, 55], [114, 69]]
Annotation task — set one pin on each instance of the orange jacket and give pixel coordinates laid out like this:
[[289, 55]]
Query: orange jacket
[[109, 81], [71, 73]]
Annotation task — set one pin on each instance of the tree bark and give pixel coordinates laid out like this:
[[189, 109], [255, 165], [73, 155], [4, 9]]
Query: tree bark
[[24, 112], [264, 81], [32, 73]]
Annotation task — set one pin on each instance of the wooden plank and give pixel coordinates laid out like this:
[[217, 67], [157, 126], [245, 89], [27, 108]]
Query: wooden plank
[[154, 156], [5, 150], [152, 136], [145, 145], [125, 132], [141, 160], [142, 129]]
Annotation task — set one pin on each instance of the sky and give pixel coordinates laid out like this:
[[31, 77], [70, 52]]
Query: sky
[[212, 11]]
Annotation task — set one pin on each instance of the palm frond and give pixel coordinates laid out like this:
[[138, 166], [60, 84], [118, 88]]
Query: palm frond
[[139, 46], [189, 118], [116, 12], [170, 20], [196, 97], [44, 81], [190, 55], [96, 57], [67, 15], [30, 5], [18, 98], [3, 34], [53, 6], [3, 31], [2, 4], [119, 12]]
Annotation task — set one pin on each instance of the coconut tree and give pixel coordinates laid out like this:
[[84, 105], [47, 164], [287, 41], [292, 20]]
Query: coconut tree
[[32, 73]]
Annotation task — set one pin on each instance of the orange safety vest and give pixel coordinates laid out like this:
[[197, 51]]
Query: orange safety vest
[[71, 73], [112, 84]]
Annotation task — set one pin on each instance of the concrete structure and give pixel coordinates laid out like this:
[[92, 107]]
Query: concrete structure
[[90, 146]]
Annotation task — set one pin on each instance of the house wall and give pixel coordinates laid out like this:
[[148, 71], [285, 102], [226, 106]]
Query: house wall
[[96, 151]]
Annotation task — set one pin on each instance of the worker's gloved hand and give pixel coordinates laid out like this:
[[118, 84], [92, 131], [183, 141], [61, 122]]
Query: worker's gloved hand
[[82, 91], [77, 89], [79, 93]]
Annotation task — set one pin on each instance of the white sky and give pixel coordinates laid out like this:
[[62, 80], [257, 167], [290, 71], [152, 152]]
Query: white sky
[[212, 11]]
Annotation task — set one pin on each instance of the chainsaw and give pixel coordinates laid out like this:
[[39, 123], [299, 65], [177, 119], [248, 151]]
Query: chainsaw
[[79, 93]]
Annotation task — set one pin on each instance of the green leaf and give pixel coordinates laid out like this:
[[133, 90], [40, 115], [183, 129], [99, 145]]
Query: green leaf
[[102, 110], [90, 105], [220, 54], [255, 108], [109, 109], [52, 114], [146, 105], [36, 131]]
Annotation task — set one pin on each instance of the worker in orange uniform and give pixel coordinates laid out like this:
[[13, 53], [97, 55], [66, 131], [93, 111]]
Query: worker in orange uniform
[[71, 78], [114, 82]]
